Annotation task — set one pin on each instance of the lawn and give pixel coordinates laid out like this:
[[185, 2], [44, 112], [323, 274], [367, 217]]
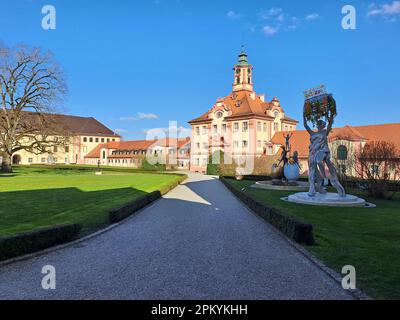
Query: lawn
[[33, 198], [368, 239]]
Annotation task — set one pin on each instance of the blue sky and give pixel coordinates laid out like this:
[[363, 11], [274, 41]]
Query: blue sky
[[136, 65]]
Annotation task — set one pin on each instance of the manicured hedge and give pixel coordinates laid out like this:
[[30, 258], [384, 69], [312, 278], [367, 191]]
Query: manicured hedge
[[130, 208], [295, 229], [33, 241]]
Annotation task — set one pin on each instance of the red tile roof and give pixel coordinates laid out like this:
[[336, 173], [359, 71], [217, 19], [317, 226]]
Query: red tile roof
[[383, 132], [137, 145], [79, 125], [120, 145], [242, 104]]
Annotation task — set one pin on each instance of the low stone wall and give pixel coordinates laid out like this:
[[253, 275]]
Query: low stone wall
[[33, 241], [297, 230]]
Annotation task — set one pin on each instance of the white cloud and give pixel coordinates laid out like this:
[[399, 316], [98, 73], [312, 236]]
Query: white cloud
[[268, 14], [233, 15], [387, 10], [140, 116], [313, 16], [278, 21], [269, 30]]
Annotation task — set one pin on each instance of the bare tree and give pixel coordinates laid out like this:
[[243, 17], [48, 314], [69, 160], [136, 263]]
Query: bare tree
[[31, 84], [379, 164]]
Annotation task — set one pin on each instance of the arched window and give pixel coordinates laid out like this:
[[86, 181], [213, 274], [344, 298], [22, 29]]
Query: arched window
[[342, 152], [276, 113], [104, 154]]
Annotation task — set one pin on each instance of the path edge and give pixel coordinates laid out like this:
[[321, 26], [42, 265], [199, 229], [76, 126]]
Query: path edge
[[358, 294]]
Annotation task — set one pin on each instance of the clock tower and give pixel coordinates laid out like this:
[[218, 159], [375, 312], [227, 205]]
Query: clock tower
[[243, 74]]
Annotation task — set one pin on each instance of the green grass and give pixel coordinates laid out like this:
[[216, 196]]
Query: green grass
[[368, 239], [33, 198]]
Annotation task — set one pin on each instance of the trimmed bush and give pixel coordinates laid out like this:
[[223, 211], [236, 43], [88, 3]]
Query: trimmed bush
[[146, 166], [297, 230], [33, 241]]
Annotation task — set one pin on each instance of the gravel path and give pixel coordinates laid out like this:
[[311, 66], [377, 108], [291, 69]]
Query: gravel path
[[198, 242]]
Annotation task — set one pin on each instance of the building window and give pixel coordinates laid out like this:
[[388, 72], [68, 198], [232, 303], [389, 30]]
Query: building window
[[113, 140], [276, 126], [236, 144], [276, 113], [245, 144], [84, 139], [215, 129], [204, 161], [270, 150], [55, 149], [205, 145], [245, 126], [342, 153], [219, 115], [108, 139], [286, 128], [204, 130], [43, 160], [375, 170], [102, 140], [265, 127], [258, 126], [66, 148], [258, 143], [198, 145], [85, 149], [236, 127], [97, 139], [197, 161], [30, 160], [224, 128], [197, 130], [104, 154]]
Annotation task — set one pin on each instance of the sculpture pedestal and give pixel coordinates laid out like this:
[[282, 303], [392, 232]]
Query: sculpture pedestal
[[328, 199]]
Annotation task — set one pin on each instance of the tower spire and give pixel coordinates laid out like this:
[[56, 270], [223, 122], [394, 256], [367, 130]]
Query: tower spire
[[243, 73]]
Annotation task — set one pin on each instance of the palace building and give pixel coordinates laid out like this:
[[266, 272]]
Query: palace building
[[242, 123], [175, 153], [344, 143], [86, 134]]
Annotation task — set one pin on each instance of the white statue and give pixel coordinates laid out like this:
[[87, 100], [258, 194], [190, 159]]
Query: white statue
[[320, 155]]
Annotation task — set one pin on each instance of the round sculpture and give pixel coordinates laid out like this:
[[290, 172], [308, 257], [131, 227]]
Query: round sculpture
[[276, 172], [291, 172]]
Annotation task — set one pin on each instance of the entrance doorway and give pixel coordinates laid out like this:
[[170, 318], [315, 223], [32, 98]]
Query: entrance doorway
[[16, 159]]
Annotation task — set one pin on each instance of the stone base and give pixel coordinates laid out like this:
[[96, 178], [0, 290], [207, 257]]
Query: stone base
[[272, 185], [328, 199]]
